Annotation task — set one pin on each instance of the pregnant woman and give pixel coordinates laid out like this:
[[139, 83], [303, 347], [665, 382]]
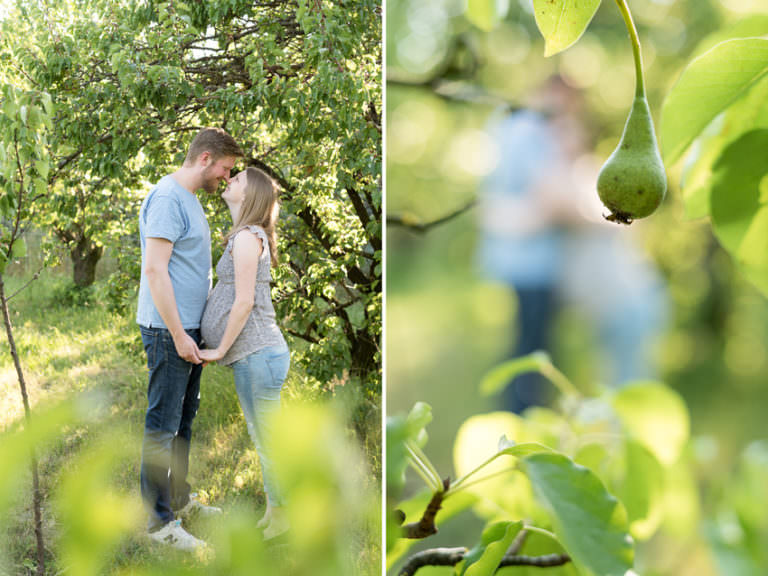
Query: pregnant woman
[[239, 326]]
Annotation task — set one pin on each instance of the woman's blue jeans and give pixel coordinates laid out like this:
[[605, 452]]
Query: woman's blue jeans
[[259, 378]]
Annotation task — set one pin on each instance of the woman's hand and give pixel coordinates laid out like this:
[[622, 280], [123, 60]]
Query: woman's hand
[[212, 355]]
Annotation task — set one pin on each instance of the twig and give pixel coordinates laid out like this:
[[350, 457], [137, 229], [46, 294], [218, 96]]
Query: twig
[[433, 557], [35, 276], [518, 542], [422, 227], [456, 91], [545, 561], [452, 556], [426, 525]]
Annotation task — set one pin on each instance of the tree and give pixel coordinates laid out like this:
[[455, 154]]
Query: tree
[[296, 83], [24, 123]]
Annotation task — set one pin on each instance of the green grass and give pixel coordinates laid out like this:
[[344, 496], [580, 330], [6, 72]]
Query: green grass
[[85, 350]]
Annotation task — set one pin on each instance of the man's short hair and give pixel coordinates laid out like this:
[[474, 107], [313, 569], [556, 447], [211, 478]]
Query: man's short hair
[[214, 141]]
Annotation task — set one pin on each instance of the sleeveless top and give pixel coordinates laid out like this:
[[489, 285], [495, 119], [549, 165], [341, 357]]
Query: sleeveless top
[[260, 328]]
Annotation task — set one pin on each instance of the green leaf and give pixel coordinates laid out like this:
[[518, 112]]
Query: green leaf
[[731, 554], [95, 515], [751, 25], [477, 438], [485, 14], [19, 249], [750, 486], [739, 212], [708, 86], [592, 455], [747, 113], [418, 418], [498, 378], [484, 559], [43, 168], [590, 523], [9, 105], [682, 497], [497, 486], [400, 431], [641, 491], [509, 448], [16, 448], [656, 416], [562, 22]]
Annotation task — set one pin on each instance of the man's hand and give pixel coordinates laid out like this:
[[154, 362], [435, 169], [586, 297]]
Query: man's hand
[[187, 349]]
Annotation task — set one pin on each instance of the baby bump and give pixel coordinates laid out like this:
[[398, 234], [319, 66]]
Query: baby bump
[[213, 324]]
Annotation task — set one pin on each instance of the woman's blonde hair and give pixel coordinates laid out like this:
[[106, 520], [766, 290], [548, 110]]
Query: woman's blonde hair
[[260, 207]]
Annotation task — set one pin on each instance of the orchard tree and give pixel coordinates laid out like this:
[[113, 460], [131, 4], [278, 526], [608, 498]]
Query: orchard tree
[[25, 119], [297, 83]]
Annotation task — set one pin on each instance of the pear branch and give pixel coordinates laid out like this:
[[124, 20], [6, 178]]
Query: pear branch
[[452, 556], [426, 525], [410, 222]]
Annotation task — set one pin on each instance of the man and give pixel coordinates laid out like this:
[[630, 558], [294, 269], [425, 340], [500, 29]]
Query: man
[[544, 235], [175, 279]]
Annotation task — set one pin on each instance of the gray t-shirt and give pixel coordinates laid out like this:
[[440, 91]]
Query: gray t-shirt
[[260, 328], [170, 211]]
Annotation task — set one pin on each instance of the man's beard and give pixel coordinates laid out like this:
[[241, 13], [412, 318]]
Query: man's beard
[[210, 185]]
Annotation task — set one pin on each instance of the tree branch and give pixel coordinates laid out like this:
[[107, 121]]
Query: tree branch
[[422, 227], [426, 525], [459, 91], [35, 276], [433, 557], [452, 556], [305, 337], [364, 215], [517, 543], [545, 561]]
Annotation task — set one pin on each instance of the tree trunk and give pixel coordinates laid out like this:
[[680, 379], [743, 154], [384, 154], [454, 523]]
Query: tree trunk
[[37, 496], [363, 353], [85, 255]]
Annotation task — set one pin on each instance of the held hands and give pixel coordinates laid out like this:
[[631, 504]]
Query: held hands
[[211, 355], [187, 348]]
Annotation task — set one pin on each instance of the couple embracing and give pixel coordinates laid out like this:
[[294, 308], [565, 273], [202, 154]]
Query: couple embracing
[[177, 313]]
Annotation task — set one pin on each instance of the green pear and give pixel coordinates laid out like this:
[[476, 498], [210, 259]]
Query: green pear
[[632, 182]]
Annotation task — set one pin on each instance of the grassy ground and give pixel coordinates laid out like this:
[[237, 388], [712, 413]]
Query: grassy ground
[[67, 350]]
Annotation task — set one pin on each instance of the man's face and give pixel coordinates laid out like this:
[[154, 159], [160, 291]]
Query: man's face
[[216, 171]]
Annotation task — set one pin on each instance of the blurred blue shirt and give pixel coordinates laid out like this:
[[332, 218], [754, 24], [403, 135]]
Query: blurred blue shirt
[[527, 149]]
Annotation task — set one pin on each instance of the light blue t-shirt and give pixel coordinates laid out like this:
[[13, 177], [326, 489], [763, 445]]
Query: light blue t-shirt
[[170, 211], [527, 148]]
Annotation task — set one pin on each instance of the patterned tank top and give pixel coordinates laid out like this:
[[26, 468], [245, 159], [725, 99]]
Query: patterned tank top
[[260, 328]]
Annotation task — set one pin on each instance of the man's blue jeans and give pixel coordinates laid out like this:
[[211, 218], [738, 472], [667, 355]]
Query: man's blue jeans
[[535, 314], [173, 398], [259, 378]]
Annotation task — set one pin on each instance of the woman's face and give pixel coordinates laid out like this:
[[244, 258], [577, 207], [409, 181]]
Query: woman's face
[[234, 193]]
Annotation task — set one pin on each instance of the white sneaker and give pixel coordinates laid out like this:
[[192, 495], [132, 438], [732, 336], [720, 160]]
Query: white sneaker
[[278, 525], [196, 508], [174, 535]]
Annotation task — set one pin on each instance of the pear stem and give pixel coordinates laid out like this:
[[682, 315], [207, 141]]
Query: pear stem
[[639, 81]]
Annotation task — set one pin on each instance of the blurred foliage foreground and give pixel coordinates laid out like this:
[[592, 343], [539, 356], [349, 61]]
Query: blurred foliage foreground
[[87, 379], [604, 484]]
